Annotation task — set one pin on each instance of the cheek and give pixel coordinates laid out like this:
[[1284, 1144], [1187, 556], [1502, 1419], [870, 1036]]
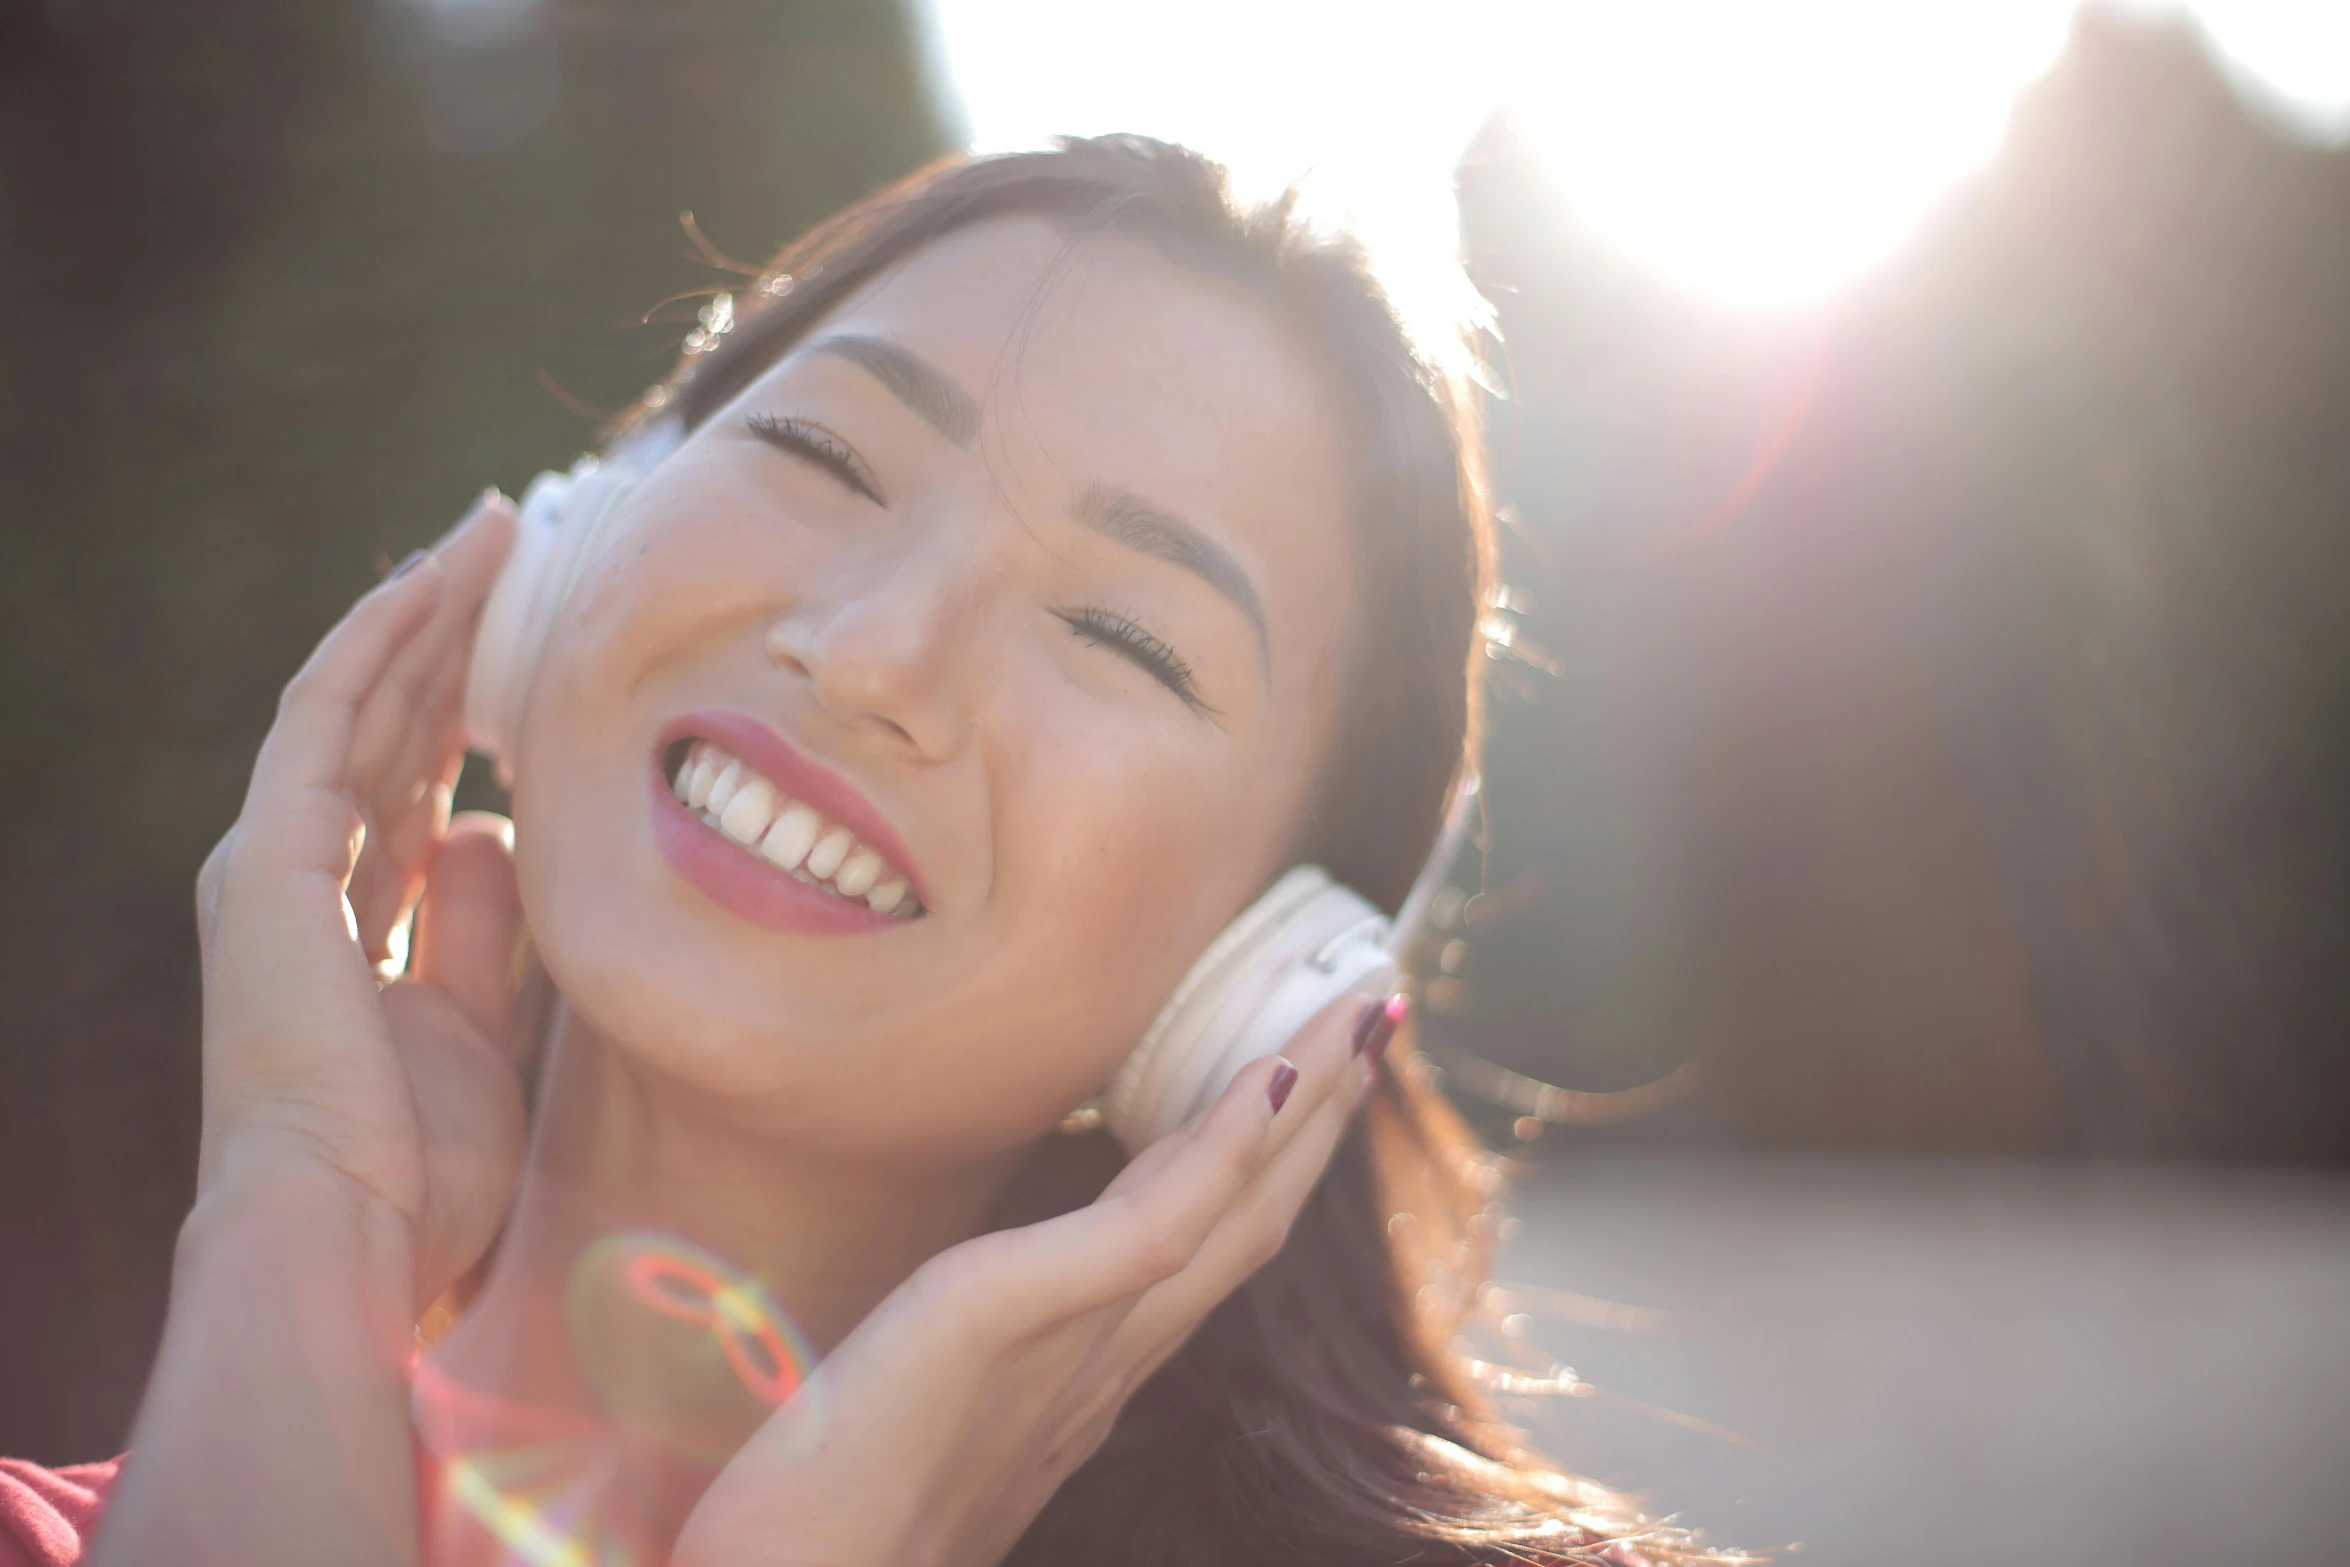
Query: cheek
[[654, 625], [681, 569], [1120, 850]]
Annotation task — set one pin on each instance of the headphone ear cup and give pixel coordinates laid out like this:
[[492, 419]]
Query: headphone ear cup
[[1301, 946], [559, 518], [513, 623]]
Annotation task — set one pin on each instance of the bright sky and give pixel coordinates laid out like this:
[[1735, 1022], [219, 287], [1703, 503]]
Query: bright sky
[[1757, 152]]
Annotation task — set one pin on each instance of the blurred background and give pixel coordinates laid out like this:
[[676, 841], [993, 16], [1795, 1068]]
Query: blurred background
[[1912, 968]]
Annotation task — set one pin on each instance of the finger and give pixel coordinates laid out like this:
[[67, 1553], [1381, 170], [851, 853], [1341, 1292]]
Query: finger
[[1318, 1055], [430, 749], [404, 828], [411, 836], [1145, 1164], [373, 889], [469, 557], [1249, 1234], [409, 824], [423, 688], [390, 874], [299, 815], [470, 920], [309, 745], [1146, 1228], [1254, 1228], [1322, 1055], [208, 880], [409, 744]]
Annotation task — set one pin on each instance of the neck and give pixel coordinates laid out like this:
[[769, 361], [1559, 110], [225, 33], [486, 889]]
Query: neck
[[639, 1202]]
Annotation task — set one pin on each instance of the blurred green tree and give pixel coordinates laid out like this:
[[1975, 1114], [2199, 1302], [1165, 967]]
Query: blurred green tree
[[1950, 746]]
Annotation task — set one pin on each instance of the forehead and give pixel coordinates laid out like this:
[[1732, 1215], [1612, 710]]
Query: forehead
[[1119, 366], [1013, 301]]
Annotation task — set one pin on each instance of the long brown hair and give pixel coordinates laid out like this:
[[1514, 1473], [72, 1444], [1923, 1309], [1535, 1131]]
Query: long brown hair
[[1319, 1415]]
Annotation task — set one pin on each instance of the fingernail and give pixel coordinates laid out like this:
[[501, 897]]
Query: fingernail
[[414, 560], [1385, 1021], [1284, 1079]]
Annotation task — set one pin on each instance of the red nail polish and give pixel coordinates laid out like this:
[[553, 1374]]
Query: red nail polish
[[1390, 1018], [1284, 1079]]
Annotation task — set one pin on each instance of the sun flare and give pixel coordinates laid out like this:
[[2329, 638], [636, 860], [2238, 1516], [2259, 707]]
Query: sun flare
[[1758, 154]]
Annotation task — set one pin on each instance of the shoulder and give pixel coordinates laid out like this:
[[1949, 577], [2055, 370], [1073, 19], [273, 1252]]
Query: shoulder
[[48, 1515]]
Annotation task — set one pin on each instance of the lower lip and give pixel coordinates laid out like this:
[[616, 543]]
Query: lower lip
[[748, 887]]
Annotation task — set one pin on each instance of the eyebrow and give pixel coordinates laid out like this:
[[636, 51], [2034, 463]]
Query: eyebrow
[[912, 380], [1127, 518]]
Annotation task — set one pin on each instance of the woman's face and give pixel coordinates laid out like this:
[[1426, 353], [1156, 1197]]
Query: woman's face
[[1026, 577]]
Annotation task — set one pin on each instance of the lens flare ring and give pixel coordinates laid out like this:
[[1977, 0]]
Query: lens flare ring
[[687, 1284]]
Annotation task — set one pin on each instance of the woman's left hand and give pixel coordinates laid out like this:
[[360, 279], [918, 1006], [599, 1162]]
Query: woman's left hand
[[394, 1073], [940, 1428], [360, 1134]]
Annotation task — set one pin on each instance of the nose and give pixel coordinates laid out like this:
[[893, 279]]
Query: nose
[[883, 642]]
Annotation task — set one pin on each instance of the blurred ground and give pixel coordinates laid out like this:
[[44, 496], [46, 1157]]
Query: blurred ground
[[1944, 1363]]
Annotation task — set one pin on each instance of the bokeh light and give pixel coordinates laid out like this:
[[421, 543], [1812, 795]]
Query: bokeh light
[[687, 1285], [538, 1481], [535, 1504], [684, 1353], [672, 1336]]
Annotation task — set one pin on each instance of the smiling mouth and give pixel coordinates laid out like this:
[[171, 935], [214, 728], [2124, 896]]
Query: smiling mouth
[[761, 820]]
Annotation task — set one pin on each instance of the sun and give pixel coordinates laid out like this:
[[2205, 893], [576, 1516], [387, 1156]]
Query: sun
[[1751, 152], [1762, 154]]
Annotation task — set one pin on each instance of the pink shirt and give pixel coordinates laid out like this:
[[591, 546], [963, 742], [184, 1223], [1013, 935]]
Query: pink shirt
[[47, 1516]]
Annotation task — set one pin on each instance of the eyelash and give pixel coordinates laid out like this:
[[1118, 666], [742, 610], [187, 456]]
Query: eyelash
[[818, 445], [811, 441], [1123, 637]]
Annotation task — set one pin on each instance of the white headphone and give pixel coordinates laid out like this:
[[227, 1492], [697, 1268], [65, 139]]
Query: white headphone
[[1306, 942], [560, 517]]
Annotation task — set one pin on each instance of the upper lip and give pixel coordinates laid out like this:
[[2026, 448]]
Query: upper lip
[[803, 778]]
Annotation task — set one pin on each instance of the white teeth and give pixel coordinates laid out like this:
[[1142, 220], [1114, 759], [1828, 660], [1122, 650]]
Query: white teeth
[[857, 873], [787, 834], [746, 815], [794, 833], [701, 771], [830, 850], [729, 779]]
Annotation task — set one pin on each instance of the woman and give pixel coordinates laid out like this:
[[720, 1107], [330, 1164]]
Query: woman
[[1089, 551]]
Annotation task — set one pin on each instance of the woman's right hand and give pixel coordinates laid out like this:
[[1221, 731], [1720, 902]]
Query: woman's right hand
[[936, 1432], [403, 1095]]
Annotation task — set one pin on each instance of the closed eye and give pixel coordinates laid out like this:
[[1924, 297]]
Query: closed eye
[[813, 443], [1138, 647]]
